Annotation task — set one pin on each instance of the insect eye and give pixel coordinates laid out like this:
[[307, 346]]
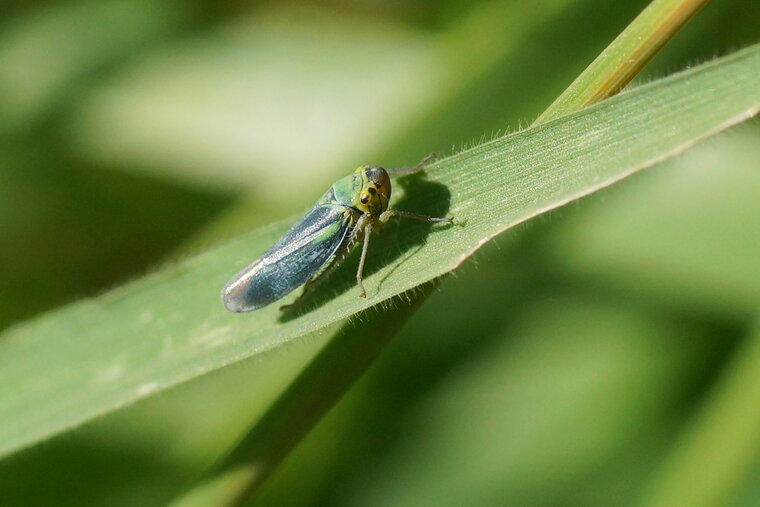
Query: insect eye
[[364, 198]]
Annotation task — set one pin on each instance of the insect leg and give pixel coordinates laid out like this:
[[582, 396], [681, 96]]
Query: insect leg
[[323, 274], [411, 170], [358, 228], [387, 214], [360, 271]]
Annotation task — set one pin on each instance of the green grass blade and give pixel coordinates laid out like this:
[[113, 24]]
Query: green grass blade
[[92, 357], [624, 58]]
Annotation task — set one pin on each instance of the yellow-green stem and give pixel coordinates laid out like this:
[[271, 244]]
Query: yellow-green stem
[[624, 58]]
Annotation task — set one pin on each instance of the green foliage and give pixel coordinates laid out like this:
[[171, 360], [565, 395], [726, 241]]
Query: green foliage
[[561, 365], [170, 327]]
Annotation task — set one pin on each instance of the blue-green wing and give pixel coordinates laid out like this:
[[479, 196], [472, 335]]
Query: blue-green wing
[[296, 257]]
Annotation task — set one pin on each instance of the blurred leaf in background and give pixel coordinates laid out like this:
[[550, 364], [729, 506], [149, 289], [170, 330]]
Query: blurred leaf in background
[[71, 228], [131, 130]]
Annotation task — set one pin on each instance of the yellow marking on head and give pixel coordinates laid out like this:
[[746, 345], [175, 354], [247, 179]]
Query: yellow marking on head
[[375, 190]]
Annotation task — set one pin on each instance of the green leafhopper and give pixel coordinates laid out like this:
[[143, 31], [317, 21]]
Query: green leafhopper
[[348, 213]]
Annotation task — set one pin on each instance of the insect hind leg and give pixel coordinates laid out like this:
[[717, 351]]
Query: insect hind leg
[[313, 282]]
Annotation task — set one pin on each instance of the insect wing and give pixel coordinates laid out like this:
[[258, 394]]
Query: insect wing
[[297, 256]]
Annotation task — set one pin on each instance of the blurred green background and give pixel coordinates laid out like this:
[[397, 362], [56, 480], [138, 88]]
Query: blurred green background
[[607, 353]]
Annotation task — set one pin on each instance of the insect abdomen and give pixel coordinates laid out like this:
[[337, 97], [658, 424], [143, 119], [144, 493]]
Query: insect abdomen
[[296, 257]]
